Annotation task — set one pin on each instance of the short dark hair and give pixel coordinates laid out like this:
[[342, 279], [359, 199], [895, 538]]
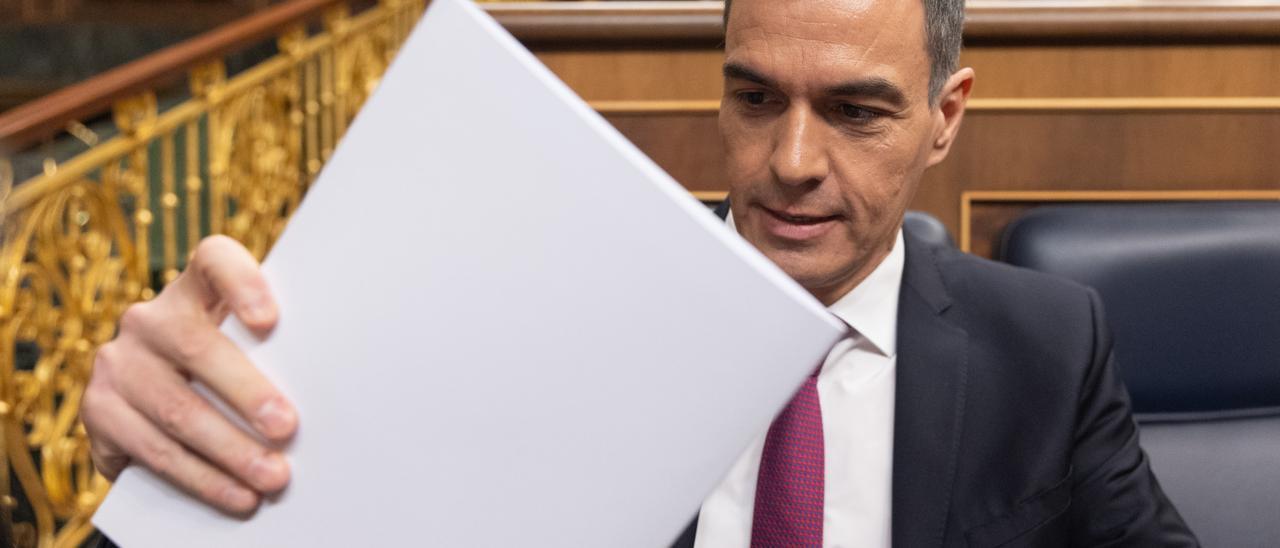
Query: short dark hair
[[943, 28]]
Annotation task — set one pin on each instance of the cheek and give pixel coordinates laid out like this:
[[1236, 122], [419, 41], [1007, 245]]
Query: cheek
[[746, 149], [876, 179]]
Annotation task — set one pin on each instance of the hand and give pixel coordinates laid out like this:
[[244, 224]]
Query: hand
[[139, 406]]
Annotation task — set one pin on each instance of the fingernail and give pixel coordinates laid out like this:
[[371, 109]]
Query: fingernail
[[238, 498], [268, 470], [256, 310], [275, 419]]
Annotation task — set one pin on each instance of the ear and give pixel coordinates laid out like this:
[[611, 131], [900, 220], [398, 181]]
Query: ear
[[948, 113]]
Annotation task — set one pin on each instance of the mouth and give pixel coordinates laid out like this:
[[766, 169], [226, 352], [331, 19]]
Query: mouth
[[797, 225]]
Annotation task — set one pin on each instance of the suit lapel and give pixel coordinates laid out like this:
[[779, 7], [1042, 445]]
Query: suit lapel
[[929, 403]]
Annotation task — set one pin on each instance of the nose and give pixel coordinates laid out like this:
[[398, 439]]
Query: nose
[[799, 154]]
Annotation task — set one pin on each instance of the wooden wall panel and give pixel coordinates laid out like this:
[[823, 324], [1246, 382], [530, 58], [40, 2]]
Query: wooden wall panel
[[639, 74], [1124, 150], [1003, 72], [1161, 95], [1221, 70], [686, 144], [986, 225], [1116, 150]]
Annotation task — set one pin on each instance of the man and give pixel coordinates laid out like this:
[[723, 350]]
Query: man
[[973, 404]]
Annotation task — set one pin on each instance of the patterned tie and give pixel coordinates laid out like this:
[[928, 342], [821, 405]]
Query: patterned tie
[[789, 491]]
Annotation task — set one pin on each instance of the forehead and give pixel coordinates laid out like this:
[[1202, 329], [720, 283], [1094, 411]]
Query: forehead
[[810, 41]]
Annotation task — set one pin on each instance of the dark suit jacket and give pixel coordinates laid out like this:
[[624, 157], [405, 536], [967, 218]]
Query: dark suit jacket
[[1011, 427]]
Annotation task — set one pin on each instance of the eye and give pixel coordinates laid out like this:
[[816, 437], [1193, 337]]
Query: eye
[[753, 98], [857, 113]]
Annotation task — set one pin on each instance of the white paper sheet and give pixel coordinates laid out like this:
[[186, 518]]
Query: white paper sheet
[[502, 326]]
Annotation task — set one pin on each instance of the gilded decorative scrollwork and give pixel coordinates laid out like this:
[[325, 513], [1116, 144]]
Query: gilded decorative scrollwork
[[69, 272], [78, 240], [252, 167], [360, 60]]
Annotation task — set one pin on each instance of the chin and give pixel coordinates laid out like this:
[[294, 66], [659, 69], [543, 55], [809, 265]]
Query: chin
[[820, 270], [810, 271]]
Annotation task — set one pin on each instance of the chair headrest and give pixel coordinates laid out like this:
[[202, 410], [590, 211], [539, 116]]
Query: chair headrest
[[1191, 290], [927, 228]]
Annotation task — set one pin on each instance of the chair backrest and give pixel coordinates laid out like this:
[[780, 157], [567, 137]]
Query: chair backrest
[[1192, 294], [927, 227]]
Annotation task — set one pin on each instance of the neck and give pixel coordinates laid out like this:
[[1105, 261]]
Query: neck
[[829, 293]]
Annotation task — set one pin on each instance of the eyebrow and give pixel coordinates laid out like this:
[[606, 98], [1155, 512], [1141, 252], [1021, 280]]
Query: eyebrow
[[741, 72], [874, 87]]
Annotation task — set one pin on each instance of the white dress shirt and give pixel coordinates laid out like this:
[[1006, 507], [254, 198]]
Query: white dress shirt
[[856, 391]]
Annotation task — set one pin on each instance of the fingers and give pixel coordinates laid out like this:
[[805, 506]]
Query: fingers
[[166, 457], [140, 407], [183, 415], [107, 457], [223, 275], [208, 355]]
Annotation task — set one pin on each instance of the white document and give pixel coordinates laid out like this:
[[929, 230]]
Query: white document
[[502, 325]]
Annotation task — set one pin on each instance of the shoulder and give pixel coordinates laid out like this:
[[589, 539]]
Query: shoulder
[[1021, 311], [979, 284]]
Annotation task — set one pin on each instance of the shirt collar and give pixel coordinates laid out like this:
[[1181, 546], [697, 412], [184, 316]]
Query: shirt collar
[[871, 308]]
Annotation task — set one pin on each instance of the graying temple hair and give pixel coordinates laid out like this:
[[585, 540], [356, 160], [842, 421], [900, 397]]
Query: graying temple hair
[[943, 27]]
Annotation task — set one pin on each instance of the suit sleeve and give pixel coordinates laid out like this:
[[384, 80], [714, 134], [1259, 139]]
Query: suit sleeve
[[1116, 500]]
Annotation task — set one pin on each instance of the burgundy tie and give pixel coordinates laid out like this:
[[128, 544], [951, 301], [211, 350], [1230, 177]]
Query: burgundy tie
[[789, 491]]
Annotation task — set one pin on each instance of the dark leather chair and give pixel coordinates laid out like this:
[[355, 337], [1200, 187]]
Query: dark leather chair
[[1192, 294], [928, 228]]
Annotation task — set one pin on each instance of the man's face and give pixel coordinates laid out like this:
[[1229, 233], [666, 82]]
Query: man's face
[[827, 126]]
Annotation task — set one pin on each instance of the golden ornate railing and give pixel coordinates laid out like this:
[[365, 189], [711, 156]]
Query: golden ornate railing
[[110, 226]]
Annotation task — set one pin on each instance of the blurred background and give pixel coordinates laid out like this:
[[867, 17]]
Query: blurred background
[[1130, 144]]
